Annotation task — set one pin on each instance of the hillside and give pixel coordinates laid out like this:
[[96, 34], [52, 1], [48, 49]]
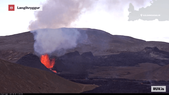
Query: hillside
[[99, 42], [16, 78]]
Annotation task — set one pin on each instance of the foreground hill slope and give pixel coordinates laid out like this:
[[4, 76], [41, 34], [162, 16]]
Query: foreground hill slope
[[16, 78]]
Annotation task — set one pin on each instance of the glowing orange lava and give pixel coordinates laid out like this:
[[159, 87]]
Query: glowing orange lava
[[46, 61]]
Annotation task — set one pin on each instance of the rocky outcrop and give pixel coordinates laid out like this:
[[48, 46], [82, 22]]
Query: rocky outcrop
[[75, 64], [32, 60]]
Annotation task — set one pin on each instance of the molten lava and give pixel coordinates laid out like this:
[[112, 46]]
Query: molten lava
[[46, 62]]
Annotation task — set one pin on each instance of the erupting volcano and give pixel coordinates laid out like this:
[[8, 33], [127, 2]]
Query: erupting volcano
[[47, 62]]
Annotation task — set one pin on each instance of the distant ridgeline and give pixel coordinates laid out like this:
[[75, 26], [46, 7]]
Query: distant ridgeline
[[157, 10]]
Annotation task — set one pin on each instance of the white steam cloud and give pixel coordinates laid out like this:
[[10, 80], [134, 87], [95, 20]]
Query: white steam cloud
[[48, 41]]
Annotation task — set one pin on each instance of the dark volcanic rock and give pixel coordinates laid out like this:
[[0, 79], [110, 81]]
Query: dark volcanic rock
[[155, 51], [73, 63], [32, 60], [87, 54], [151, 49], [149, 54], [72, 54], [122, 85]]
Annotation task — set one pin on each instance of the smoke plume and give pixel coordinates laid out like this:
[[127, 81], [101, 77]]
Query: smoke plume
[[61, 13], [57, 41]]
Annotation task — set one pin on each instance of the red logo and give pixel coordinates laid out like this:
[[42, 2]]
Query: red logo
[[11, 7]]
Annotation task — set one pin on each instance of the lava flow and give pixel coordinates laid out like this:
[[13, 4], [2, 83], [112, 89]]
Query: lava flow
[[46, 62]]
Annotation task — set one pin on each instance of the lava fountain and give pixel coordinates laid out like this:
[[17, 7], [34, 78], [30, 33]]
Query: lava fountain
[[47, 62]]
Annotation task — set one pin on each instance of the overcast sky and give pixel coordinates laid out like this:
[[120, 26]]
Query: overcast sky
[[111, 19]]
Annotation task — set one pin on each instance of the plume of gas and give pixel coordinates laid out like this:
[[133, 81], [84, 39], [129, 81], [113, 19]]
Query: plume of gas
[[59, 40]]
